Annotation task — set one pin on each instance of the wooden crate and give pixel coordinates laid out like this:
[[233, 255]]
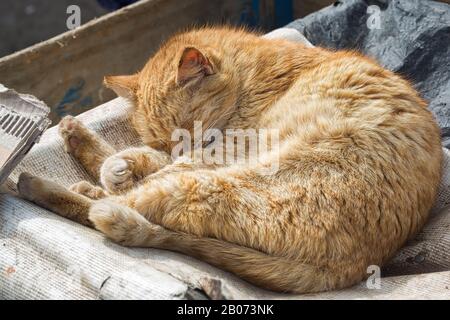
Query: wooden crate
[[304, 7], [67, 71], [269, 14]]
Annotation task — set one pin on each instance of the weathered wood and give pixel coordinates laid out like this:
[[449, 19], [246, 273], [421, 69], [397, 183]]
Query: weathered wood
[[67, 71], [266, 14], [304, 7]]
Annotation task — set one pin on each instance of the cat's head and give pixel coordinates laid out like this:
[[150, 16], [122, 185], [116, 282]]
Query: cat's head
[[180, 84]]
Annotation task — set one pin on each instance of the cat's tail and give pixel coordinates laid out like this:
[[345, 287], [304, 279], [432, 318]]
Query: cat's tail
[[258, 268], [128, 227]]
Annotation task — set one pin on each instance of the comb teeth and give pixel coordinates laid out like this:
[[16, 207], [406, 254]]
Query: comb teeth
[[14, 124]]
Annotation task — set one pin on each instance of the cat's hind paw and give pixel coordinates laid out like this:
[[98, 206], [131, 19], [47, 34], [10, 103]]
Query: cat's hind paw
[[124, 225]]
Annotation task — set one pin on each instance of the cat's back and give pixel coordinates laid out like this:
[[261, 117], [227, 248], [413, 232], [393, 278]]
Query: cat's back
[[350, 117], [348, 94]]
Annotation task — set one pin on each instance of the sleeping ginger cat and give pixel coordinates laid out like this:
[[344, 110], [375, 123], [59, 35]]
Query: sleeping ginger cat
[[359, 162]]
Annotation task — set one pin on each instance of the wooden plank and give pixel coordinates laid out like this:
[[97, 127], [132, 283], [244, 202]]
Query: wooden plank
[[266, 14], [67, 71], [304, 7], [274, 13]]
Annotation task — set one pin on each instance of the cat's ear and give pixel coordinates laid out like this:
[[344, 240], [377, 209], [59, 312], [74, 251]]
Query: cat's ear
[[193, 65], [123, 86]]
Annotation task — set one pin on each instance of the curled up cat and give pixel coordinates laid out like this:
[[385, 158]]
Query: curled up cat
[[358, 161]]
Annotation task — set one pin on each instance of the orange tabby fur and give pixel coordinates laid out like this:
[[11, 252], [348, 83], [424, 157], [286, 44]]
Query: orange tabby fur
[[360, 162]]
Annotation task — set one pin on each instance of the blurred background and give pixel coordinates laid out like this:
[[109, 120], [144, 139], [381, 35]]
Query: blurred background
[[66, 68], [27, 22]]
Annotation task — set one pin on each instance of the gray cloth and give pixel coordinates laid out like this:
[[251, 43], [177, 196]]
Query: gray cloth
[[411, 37]]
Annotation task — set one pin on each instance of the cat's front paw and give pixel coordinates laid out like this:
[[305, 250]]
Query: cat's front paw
[[116, 174], [32, 188], [74, 134], [88, 190], [42, 192]]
